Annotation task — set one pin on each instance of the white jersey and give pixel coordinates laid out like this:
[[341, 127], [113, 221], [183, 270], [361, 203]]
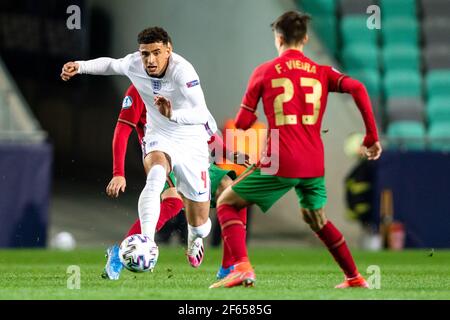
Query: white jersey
[[180, 84]]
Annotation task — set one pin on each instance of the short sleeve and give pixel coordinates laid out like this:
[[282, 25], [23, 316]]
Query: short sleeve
[[132, 107], [334, 79], [254, 89]]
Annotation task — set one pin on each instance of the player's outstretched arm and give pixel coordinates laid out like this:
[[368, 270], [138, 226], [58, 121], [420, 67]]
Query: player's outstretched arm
[[99, 66], [120, 142], [361, 97]]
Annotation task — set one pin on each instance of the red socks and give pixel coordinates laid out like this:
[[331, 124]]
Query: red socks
[[170, 207], [337, 246], [135, 228], [233, 234]]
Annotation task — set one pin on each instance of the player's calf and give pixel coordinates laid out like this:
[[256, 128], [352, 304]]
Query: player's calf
[[333, 239]]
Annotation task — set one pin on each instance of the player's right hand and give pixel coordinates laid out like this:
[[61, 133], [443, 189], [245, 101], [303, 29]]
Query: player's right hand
[[373, 152], [69, 70], [237, 158], [117, 184]]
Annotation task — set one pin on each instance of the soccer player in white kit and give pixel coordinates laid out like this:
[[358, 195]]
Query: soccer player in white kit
[[176, 134]]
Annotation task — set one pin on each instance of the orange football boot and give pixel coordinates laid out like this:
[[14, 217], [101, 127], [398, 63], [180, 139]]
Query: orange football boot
[[243, 274], [355, 282]]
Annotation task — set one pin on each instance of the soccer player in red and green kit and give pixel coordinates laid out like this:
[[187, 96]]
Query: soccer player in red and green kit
[[294, 91]]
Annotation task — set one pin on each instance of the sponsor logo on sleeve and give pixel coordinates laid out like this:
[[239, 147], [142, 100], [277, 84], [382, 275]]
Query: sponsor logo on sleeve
[[192, 83], [127, 102]]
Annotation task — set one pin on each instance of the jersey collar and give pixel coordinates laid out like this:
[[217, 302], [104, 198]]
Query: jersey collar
[[292, 52]]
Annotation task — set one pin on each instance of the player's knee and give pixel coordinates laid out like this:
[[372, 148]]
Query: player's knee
[[170, 193], [224, 198], [229, 197], [156, 158], [224, 183], [316, 218]]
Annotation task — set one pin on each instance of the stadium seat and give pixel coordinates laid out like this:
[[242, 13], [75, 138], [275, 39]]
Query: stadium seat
[[437, 57], [361, 56], [326, 27], [439, 136], [324, 20], [436, 30], [438, 110], [435, 8], [406, 135], [401, 57], [370, 78], [398, 8], [438, 83], [402, 84], [400, 31], [318, 7], [405, 109], [354, 7], [354, 31]]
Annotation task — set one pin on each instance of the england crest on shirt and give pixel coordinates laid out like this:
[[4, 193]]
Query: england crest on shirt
[[156, 84], [127, 102]]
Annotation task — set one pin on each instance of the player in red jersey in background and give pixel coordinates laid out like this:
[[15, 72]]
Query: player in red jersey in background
[[294, 91]]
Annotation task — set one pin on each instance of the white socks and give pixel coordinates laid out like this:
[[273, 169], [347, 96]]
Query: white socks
[[149, 201], [200, 231]]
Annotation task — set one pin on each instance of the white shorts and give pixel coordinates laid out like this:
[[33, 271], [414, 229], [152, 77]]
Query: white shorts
[[190, 163]]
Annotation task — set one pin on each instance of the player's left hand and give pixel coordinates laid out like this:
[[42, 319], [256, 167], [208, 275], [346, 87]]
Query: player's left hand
[[373, 152], [164, 106]]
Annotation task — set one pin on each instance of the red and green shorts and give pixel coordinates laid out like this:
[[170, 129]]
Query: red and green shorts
[[216, 175], [264, 190]]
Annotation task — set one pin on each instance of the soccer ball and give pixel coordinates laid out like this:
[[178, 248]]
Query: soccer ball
[[138, 253]]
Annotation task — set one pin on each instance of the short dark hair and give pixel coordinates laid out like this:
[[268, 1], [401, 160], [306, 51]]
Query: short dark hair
[[152, 35], [292, 25]]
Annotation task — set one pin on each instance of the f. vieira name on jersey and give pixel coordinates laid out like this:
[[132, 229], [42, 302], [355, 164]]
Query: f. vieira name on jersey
[[192, 83]]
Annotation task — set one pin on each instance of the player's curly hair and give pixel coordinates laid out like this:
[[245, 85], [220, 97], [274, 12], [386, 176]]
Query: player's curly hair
[[292, 25], [152, 35]]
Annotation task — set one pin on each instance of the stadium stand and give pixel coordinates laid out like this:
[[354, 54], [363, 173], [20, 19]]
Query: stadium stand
[[25, 170], [405, 65]]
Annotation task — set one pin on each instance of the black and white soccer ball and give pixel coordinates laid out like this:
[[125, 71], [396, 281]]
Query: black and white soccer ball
[[138, 253]]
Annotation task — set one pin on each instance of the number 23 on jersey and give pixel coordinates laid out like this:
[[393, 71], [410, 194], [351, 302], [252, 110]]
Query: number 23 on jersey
[[313, 99]]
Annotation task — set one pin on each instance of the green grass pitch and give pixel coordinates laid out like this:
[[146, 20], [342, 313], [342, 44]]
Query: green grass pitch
[[282, 273]]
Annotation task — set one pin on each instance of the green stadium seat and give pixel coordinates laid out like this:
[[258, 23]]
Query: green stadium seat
[[324, 21], [402, 84], [354, 7], [408, 135], [400, 31], [361, 56], [354, 31], [438, 83], [439, 136], [438, 110], [326, 27], [318, 7], [398, 8], [370, 78], [401, 57]]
